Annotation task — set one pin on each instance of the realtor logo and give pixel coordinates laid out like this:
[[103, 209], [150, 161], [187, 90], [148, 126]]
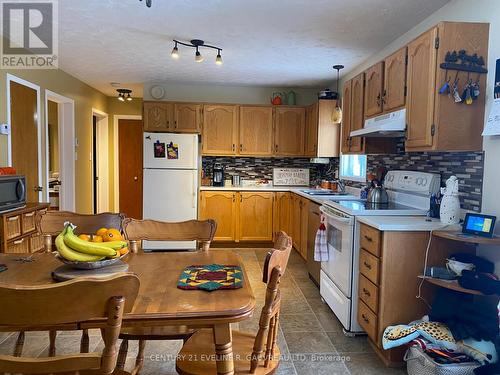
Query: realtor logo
[[29, 31]]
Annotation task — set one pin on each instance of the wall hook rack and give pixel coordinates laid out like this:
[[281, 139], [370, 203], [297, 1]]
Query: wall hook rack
[[463, 62]]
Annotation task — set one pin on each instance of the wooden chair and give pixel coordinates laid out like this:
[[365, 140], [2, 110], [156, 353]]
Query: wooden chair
[[137, 230], [49, 225], [68, 303], [253, 354]]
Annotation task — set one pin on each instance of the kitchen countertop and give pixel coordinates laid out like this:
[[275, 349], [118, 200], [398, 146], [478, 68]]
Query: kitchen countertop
[[319, 199], [404, 223]]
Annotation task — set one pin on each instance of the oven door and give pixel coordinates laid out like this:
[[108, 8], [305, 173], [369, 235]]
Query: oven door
[[340, 237]]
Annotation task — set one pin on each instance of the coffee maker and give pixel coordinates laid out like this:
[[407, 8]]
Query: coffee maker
[[218, 175]]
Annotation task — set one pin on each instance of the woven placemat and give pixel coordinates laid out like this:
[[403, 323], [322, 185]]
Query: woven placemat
[[211, 277]]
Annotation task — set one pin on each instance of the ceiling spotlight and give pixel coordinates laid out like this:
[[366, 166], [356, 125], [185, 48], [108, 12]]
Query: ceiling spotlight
[[148, 3], [197, 44], [198, 57], [124, 94], [218, 59], [175, 52]]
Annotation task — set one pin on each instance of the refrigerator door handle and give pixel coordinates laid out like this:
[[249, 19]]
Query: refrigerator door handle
[[194, 189]]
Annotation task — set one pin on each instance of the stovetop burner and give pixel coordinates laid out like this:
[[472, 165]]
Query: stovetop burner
[[362, 207]]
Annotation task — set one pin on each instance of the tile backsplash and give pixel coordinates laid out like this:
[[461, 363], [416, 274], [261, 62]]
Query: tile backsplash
[[258, 168]]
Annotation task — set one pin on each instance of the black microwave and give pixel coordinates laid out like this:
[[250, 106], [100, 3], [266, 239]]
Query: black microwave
[[12, 192]]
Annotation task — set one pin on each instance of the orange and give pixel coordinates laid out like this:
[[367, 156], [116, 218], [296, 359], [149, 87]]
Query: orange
[[97, 239], [123, 251], [112, 235], [84, 237], [101, 232]]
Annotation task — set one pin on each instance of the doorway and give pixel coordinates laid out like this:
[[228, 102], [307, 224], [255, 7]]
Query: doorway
[[24, 139], [128, 164], [100, 174], [63, 183]]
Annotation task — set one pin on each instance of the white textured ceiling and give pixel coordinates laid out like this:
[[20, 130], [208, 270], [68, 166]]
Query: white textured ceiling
[[265, 43]]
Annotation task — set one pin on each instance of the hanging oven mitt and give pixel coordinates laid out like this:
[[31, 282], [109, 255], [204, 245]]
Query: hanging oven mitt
[[320, 243]]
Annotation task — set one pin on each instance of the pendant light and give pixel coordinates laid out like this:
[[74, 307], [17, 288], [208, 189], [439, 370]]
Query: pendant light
[[175, 52], [337, 111]]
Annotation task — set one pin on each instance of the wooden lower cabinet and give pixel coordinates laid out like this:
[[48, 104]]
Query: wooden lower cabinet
[[255, 214], [282, 212], [298, 225], [220, 206], [18, 232], [389, 266]]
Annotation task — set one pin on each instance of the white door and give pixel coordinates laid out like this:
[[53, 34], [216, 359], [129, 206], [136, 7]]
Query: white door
[[170, 151], [170, 195], [340, 237]]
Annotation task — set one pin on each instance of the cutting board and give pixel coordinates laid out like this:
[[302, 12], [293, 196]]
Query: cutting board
[[66, 272]]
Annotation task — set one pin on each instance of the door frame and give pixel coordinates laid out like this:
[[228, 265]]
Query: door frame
[[102, 159], [66, 135], [116, 164], [12, 78]]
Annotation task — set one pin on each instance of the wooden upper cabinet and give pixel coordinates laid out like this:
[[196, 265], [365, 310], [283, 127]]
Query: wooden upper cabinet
[[374, 77], [421, 90], [289, 131], [256, 131], [393, 96], [187, 117], [156, 116], [346, 117], [311, 144], [220, 206], [220, 129], [357, 118], [255, 216]]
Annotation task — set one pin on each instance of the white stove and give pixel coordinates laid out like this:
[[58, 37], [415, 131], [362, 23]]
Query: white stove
[[409, 194]]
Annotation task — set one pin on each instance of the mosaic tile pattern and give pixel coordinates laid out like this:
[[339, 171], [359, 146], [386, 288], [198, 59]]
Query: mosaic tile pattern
[[258, 168]]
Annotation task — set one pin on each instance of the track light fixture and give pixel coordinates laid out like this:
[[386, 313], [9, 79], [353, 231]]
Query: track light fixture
[[196, 43], [124, 94], [148, 3]]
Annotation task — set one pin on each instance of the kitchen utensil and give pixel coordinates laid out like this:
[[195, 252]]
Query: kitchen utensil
[[236, 180], [377, 194]]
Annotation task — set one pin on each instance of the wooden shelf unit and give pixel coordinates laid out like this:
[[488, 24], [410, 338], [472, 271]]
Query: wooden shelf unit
[[450, 284], [467, 238]]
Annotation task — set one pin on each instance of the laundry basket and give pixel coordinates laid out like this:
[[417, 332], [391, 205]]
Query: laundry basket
[[419, 363]]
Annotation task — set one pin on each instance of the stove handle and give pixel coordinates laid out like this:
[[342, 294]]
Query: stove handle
[[341, 219]]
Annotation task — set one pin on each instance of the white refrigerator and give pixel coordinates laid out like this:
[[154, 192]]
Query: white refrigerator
[[170, 191]]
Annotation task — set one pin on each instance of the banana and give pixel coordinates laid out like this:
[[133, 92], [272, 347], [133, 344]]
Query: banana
[[115, 245], [70, 254], [91, 248]]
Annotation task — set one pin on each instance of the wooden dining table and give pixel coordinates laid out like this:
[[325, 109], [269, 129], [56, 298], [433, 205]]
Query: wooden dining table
[[160, 302]]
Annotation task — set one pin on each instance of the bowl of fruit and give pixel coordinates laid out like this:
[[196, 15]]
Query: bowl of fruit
[[90, 252]]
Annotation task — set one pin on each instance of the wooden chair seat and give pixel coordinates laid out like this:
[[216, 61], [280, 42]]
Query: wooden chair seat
[[197, 356], [156, 333]]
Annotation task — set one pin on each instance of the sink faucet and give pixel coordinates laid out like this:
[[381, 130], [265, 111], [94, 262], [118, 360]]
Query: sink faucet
[[341, 185]]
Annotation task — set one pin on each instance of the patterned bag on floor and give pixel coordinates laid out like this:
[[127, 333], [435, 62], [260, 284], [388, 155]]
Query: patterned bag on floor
[[419, 363]]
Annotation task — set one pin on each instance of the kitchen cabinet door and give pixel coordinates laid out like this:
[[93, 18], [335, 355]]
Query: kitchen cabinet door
[[187, 118], [356, 145], [374, 77], [281, 211], [289, 131], [221, 207], [255, 211], [311, 144], [295, 221], [304, 220], [256, 131], [156, 116], [393, 96], [220, 129], [346, 117], [421, 90]]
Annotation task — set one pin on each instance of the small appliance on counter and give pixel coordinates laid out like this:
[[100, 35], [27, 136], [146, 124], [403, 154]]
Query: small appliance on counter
[[13, 192], [218, 175], [236, 180]]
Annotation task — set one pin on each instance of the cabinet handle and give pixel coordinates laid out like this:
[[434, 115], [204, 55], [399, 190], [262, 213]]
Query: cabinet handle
[[241, 199], [365, 318], [276, 148], [13, 218], [18, 242], [367, 265], [175, 123], [369, 239], [234, 147], [366, 292], [30, 214], [234, 198], [384, 96], [379, 101], [241, 147]]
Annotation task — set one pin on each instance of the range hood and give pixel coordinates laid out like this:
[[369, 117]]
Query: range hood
[[387, 125]]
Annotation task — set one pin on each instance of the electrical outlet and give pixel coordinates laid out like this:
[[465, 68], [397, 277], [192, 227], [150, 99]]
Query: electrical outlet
[[5, 129]]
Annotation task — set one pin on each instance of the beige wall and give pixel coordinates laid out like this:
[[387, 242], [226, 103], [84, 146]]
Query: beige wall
[[466, 11], [85, 98]]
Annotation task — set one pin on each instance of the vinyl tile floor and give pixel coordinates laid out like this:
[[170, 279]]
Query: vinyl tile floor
[[310, 338]]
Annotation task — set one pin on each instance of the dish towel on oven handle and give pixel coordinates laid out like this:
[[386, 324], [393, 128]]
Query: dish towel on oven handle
[[320, 243]]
